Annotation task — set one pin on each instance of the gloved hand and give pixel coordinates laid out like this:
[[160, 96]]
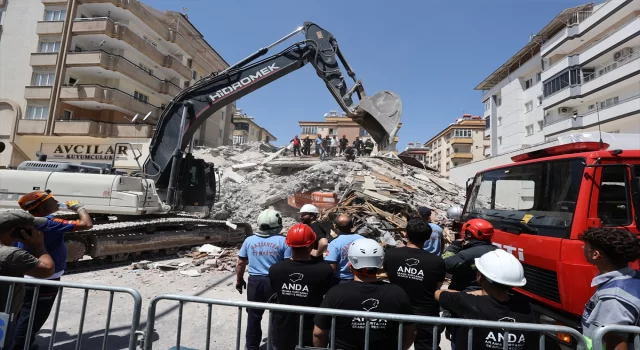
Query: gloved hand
[[74, 205], [241, 284]]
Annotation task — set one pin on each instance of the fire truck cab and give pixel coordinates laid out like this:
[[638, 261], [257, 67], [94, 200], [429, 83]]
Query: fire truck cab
[[541, 203]]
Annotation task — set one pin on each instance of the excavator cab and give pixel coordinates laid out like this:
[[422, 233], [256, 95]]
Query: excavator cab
[[196, 189]]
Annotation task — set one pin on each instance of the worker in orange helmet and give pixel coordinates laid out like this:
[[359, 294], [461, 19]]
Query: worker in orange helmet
[[42, 204], [301, 281]]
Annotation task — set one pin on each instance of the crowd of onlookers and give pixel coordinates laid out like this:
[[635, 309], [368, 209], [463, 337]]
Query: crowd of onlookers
[[331, 146]]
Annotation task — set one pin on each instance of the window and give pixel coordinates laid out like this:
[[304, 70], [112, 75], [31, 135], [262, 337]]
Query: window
[[499, 121], [592, 106], [547, 190], [222, 116], [309, 130], [73, 81], [49, 46], [497, 100], [529, 129], [462, 133], [540, 125], [487, 105], [67, 114], [193, 75], [539, 100], [43, 79], [37, 112], [487, 122], [610, 102], [528, 83], [613, 205], [149, 41], [562, 81], [241, 126], [189, 62], [55, 15], [528, 107], [363, 132], [331, 131], [500, 140], [538, 76], [141, 97]]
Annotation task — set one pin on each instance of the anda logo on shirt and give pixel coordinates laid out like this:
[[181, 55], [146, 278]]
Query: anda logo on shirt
[[495, 340], [374, 323], [295, 289], [410, 271]]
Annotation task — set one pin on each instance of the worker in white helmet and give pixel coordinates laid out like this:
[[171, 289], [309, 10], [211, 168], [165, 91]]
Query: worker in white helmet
[[366, 292], [309, 216], [260, 251], [498, 272]]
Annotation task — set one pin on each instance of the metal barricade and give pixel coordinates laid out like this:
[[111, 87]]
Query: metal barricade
[[38, 283], [598, 335], [438, 322]]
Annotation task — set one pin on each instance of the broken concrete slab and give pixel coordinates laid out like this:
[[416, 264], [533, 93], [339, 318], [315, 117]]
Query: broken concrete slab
[[274, 155], [190, 273], [244, 166], [229, 174], [210, 249]]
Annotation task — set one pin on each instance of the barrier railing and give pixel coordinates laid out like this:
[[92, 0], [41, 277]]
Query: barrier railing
[[437, 322], [38, 283], [598, 335]]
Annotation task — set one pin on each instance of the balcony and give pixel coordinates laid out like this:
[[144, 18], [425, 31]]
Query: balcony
[[106, 97], [625, 107], [561, 65], [49, 27], [462, 141], [173, 63], [43, 59], [95, 128], [461, 155], [31, 127], [555, 127], [37, 92]]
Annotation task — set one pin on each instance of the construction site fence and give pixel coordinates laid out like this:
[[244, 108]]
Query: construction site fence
[[10, 319]]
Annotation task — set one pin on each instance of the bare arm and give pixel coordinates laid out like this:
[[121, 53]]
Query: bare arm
[[45, 267], [408, 336], [321, 337], [615, 342], [323, 243], [85, 222], [241, 266]]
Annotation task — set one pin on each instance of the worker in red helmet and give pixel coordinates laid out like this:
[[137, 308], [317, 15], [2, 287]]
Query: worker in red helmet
[[301, 281], [459, 257]]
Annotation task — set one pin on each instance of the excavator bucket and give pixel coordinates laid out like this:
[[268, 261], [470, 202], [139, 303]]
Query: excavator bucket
[[379, 115]]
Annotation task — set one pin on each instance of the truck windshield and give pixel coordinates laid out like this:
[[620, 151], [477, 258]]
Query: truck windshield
[[537, 198]]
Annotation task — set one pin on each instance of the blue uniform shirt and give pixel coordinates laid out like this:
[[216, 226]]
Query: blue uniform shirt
[[264, 251], [338, 250], [433, 245], [53, 232]]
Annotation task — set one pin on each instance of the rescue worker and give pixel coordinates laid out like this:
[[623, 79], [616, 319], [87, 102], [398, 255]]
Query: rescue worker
[[459, 257], [420, 274], [365, 293], [498, 272], [357, 144], [344, 142], [42, 204], [334, 146], [350, 154], [296, 146], [309, 216], [306, 146], [435, 243], [260, 251], [301, 281], [617, 297], [318, 143], [368, 147], [326, 145], [339, 247]]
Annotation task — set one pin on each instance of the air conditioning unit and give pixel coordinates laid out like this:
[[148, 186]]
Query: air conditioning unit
[[565, 111], [622, 53]]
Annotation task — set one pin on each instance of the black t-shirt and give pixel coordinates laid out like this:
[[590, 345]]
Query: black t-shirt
[[418, 273], [320, 232], [301, 283], [468, 306], [374, 297]]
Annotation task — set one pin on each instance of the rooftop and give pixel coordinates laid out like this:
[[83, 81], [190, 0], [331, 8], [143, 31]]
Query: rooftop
[[532, 47], [467, 121]]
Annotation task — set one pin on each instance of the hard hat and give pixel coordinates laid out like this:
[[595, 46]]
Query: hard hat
[[479, 228], [269, 219], [32, 200], [300, 235], [454, 213], [365, 253], [501, 267], [309, 208]]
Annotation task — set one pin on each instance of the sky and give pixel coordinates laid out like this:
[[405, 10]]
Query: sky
[[431, 53]]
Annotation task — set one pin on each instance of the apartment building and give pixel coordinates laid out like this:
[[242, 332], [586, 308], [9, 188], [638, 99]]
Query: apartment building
[[461, 142], [247, 130], [578, 74], [86, 81], [338, 124]]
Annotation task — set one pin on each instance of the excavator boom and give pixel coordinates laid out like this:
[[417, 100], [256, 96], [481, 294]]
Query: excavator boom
[[378, 114]]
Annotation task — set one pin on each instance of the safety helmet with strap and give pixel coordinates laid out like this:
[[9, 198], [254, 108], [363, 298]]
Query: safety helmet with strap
[[32, 200]]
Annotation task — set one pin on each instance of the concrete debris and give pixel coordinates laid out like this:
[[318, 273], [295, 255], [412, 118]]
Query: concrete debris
[[381, 191], [210, 249], [190, 273], [142, 265]]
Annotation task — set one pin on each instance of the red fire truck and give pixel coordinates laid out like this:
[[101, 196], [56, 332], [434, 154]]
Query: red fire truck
[[542, 202]]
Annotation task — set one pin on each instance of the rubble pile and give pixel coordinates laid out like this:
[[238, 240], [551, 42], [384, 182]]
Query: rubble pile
[[381, 192], [195, 262]]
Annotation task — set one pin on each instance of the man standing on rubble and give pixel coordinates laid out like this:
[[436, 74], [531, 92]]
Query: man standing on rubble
[[420, 274], [334, 146], [435, 243], [368, 147], [306, 146], [42, 204], [296, 146], [301, 281], [357, 144], [339, 248], [318, 142], [344, 142], [365, 293], [260, 251], [309, 216]]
